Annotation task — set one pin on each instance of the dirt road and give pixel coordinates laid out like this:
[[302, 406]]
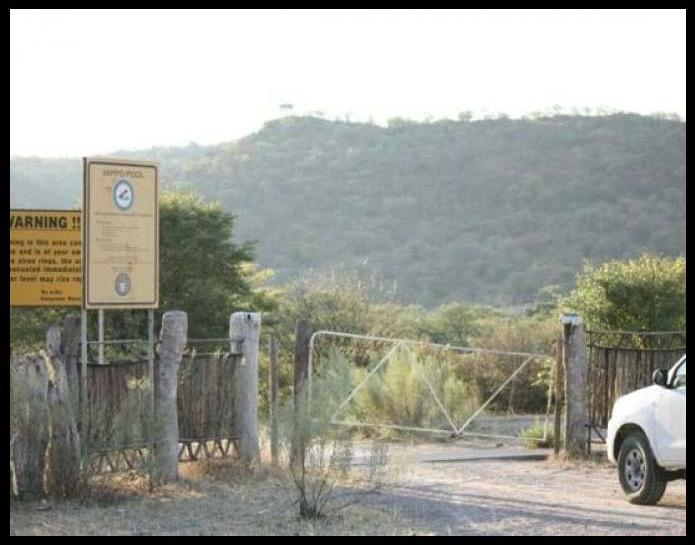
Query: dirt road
[[455, 489], [482, 495]]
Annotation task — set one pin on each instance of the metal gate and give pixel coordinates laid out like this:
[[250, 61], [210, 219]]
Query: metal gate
[[487, 382]]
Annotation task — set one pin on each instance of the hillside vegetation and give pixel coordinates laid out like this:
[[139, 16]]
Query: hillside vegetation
[[486, 211]]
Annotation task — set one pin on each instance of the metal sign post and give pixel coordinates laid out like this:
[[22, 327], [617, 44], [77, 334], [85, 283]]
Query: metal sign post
[[150, 374], [83, 389], [101, 336]]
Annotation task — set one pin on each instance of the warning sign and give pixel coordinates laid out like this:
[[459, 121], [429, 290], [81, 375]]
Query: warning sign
[[121, 238], [45, 258]]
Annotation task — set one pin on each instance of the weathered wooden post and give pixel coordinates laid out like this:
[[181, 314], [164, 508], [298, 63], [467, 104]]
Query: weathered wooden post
[[576, 405], [173, 337], [274, 387], [301, 370], [28, 415], [245, 327], [44, 407], [62, 472], [70, 348]]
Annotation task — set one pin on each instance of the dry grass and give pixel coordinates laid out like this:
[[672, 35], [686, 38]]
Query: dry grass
[[562, 460], [211, 498]]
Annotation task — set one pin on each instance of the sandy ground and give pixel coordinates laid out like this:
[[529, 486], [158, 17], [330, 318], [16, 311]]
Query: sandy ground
[[445, 489], [513, 496]]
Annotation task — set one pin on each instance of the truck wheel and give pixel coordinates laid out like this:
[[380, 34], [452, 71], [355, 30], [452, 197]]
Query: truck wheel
[[641, 478]]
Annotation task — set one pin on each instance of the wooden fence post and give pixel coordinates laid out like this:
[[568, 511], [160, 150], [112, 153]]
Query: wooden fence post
[[274, 387], [173, 338], [246, 327], [576, 371], [301, 370], [44, 406], [28, 415], [70, 349], [62, 470]]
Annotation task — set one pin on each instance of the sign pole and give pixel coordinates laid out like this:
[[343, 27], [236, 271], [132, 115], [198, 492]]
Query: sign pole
[[83, 390], [150, 373], [101, 336]]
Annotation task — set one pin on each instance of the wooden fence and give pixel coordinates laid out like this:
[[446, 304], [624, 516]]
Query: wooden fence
[[209, 407], [118, 409], [621, 362], [206, 401]]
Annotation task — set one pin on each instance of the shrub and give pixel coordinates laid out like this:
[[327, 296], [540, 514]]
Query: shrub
[[320, 454], [398, 393], [642, 294], [533, 436]]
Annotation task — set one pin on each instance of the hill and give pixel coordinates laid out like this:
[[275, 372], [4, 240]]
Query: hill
[[488, 211]]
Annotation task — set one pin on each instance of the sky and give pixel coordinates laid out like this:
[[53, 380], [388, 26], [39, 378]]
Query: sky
[[91, 82]]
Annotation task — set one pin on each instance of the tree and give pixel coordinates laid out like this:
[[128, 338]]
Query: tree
[[202, 269], [642, 294]]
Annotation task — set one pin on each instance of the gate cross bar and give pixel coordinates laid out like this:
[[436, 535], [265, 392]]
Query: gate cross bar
[[493, 396], [371, 373]]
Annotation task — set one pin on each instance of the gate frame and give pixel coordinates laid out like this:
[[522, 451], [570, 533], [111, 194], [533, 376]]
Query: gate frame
[[404, 344]]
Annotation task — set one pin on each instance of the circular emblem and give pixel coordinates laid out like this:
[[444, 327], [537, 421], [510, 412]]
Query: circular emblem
[[122, 283], [123, 195]]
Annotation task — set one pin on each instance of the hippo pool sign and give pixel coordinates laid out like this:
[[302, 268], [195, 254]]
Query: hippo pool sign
[[121, 234]]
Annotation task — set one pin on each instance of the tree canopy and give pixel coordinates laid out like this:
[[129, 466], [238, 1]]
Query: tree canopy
[[201, 266]]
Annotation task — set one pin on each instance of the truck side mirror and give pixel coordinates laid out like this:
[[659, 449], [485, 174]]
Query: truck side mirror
[[660, 377], [679, 381]]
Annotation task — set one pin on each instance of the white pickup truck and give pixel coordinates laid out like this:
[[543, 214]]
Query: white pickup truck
[[646, 436]]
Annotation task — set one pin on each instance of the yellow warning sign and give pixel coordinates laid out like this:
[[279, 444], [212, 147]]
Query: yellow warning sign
[[121, 235], [45, 258]]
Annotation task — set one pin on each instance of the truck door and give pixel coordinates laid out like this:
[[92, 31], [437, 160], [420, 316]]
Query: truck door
[[669, 420]]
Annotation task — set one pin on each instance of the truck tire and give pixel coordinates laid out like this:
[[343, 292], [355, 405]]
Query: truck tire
[[642, 480]]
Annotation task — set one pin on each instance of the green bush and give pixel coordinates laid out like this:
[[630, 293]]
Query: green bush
[[642, 294], [533, 436]]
